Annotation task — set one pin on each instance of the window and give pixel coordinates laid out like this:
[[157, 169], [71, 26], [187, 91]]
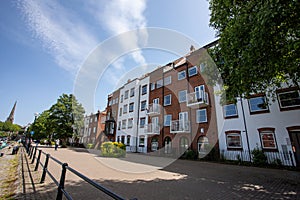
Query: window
[[95, 119], [94, 130], [142, 122], [110, 102], [257, 104], [193, 71], [152, 86], [141, 141], [182, 96], [126, 94], [167, 100], [121, 98], [234, 139], [167, 80], [130, 123], [123, 139], [143, 105], [268, 139], [125, 109], [117, 100], [119, 125], [167, 121], [202, 67], [120, 114], [201, 116], [123, 123], [230, 110], [144, 89], [159, 83], [131, 105], [289, 99], [181, 75], [131, 92]]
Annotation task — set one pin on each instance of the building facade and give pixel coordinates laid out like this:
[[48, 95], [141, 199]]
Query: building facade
[[258, 123]]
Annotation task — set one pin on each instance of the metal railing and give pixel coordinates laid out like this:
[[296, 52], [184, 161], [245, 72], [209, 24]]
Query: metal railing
[[153, 109], [180, 126], [272, 158], [152, 128], [61, 183], [197, 98]]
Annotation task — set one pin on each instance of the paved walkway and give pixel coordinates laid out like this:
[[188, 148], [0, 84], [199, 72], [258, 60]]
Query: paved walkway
[[180, 180]]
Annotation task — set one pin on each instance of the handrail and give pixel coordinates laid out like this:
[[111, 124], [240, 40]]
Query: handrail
[[61, 190]]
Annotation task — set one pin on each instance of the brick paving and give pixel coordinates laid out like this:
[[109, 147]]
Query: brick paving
[[180, 180]]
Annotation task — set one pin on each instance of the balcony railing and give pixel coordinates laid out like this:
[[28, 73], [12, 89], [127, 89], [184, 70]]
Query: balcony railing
[[197, 99], [153, 109], [180, 126], [152, 129]]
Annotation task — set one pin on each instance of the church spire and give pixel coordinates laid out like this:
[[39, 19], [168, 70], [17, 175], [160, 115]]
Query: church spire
[[12, 114]]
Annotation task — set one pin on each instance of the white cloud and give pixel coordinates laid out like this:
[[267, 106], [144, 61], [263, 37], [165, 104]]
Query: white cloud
[[61, 32], [120, 16]]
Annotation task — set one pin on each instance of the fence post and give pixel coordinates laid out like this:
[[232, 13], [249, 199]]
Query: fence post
[[61, 185], [291, 157], [34, 154], [38, 160], [30, 151], [45, 168]]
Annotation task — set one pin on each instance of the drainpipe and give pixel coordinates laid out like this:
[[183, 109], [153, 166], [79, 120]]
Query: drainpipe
[[138, 119], [245, 126]]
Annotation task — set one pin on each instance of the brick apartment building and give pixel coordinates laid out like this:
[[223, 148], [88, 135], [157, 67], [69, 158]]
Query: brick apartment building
[[168, 110]]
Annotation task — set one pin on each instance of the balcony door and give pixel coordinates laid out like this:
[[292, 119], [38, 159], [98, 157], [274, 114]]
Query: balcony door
[[155, 127], [199, 92], [183, 120]]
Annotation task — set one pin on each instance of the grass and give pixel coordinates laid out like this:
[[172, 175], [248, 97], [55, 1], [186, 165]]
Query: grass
[[8, 186]]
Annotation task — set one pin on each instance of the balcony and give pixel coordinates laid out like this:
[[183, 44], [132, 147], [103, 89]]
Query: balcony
[[180, 126], [153, 110], [197, 99], [153, 129]]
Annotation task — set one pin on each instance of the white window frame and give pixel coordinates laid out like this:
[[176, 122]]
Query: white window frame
[[144, 91], [145, 105], [159, 83], [166, 120], [250, 104], [282, 93], [232, 115], [142, 125], [131, 107], [168, 103], [124, 122], [167, 80], [130, 123], [228, 135], [126, 95], [182, 94], [265, 133], [125, 108], [192, 68], [132, 91], [180, 75], [152, 86], [198, 115]]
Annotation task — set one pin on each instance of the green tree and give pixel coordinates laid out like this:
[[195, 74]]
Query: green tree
[[41, 126], [259, 44], [65, 116]]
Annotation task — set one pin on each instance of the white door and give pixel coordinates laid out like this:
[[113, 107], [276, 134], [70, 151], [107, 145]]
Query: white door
[[183, 120], [154, 121], [199, 92], [156, 105]]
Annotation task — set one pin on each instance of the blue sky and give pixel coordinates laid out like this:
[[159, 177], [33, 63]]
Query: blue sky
[[45, 43]]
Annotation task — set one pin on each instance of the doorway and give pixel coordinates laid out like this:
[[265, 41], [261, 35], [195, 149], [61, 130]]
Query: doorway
[[295, 140]]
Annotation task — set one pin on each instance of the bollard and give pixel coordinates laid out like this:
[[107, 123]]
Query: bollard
[[38, 160], [34, 154], [61, 185], [45, 168]]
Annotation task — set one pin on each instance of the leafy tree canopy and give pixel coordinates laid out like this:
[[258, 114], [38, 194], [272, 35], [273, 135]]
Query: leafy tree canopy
[[259, 44]]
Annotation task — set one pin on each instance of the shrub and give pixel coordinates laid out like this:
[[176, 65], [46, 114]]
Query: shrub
[[259, 158], [113, 149], [89, 145]]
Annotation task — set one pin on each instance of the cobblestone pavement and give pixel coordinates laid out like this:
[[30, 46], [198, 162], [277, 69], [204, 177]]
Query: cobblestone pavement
[[181, 180]]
